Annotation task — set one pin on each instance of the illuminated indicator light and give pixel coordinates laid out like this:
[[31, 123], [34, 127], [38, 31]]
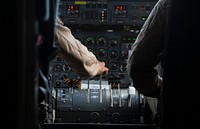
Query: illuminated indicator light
[[72, 7], [58, 83], [102, 15], [121, 8], [80, 2], [117, 8], [143, 18], [68, 7]]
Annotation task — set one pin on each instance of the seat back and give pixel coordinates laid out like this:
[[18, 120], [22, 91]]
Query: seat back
[[181, 67]]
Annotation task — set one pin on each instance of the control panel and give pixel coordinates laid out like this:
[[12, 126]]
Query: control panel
[[106, 12], [108, 28]]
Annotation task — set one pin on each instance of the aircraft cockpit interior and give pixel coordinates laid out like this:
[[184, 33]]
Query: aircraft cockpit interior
[[51, 94], [108, 28]]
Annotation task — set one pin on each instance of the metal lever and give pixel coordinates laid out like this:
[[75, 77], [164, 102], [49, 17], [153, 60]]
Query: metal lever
[[100, 89], [88, 91], [111, 97], [131, 92], [120, 97]]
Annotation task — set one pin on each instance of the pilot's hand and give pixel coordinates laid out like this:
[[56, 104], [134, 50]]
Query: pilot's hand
[[103, 69]]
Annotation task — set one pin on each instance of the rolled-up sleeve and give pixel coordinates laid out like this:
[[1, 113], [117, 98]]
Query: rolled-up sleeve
[[76, 55]]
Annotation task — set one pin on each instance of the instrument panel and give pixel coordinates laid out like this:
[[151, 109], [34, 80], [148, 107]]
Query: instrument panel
[[108, 28]]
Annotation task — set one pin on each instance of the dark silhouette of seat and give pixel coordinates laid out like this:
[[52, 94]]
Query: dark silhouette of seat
[[181, 67]]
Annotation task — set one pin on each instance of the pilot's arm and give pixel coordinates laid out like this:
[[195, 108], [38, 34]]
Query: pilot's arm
[[77, 56]]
